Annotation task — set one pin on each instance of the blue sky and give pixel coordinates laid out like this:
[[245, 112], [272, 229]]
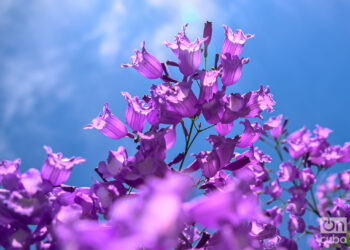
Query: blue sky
[[60, 62]]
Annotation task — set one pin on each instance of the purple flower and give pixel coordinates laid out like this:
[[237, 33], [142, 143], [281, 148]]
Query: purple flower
[[328, 157], [296, 224], [235, 107], [274, 189], [298, 143], [288, 172], [9, 174], [276, 216], [250, 134], [321, 132], [234, 42], [231, 68], [223, 129], [306, 178], [207, 32], [116, 164], [259, 101], [57, 169], [136, 112], [345, 179], [189, 54], [345, 153], [209, 85], [31, 181], [214, 109], [108, 124], [155, 218], [234, 205], [209, 162], [145, 63], [172, 103], [274, 124]]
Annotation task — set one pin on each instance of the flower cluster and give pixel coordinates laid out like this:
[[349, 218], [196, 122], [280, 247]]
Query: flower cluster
[[218, 201]]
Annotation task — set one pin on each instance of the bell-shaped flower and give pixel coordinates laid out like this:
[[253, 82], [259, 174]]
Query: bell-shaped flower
[[209, 85], [57, 169], [115, 165], [345, 153], [189, 54], [145, 63], [298, 143], [214, 109], [259, 101], [288, 172], [171, 103], [235, 107], [250, 134], [223, 128], [136, 112], [234, 42], [231, 68], [108, 124], [274, 124]]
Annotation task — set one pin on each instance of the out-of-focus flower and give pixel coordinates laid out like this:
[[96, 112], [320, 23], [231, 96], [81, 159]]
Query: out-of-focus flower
[[298, 143], [108, 124], [274, 124], [288, 172], [145, 63]]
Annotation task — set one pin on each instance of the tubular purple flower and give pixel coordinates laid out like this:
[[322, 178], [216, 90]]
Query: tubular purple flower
[[306, 178], [214, 109], [145, 63], [259, 101], [209, 85], [274, 124], [136, 112], [209, 162], [207, 32], [250, 134], [223, 129], [234, 42], [235, 107], [57, 169], [231, 68], [298, 143], [108, 124], [288, 172], [172, 103], [116, 164], [189, 54]]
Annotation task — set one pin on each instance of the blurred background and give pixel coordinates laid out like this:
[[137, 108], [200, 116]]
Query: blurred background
[[60, 62]]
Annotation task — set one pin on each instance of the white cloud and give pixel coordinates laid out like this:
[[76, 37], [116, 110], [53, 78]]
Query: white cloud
[[26, 81], [109, 29]]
